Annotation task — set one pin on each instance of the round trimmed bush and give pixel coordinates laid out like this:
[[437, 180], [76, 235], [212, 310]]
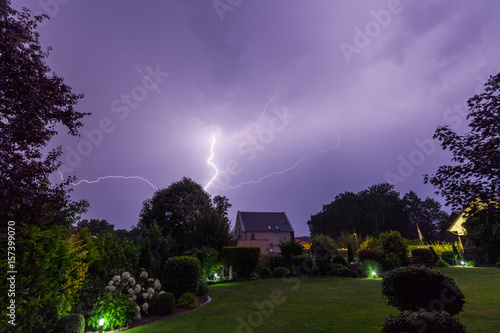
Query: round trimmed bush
[[265, 272], [422, 321], [417, 287], [339, 260], [187, 301], [371, 254], [163, 304], [72, 323], [281, 271], [340, 270], [181, 275]]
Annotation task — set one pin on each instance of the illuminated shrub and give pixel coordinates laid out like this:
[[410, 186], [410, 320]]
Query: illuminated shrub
[[417, 287], [181, 275], [187, 301], [370, 268], [371, 254], [117, 310], [244, 259], [163, 304], [281, 271], [422, 321], [339, 260], [72, 323]]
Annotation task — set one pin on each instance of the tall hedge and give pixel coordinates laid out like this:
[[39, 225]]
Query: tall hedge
[[244, 259], [417, 287], [181, 275]]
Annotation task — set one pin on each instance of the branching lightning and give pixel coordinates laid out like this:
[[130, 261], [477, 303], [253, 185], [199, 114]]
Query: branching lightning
[[109, 177], [285, 170], [209, 161]]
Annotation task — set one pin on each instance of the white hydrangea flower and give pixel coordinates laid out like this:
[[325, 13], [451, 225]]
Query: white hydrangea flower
[[161, 292], [125, 275], [116, 278], [107, 288], [145, 307], [157, 284], [150, 280], [144, 275], [137, 289], [110, 283], [130, 290], [131, 281], [112, 288], [151, 291], [133, 298], [145, 295], [138, 317]]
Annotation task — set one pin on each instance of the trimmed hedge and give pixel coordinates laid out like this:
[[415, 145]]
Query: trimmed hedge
[[422, 321], [423, 253], [72, 323], [371, 254], [163, 304], [339, 260], [417, 287], [181, 275], [244, 259]]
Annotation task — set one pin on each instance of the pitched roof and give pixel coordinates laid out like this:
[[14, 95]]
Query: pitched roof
[[264, 221]]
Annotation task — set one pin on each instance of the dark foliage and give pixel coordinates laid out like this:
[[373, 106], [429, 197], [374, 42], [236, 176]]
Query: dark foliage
[[422, 321], [164, 304], [372, 254], [244, 259], [181, 275], [72, 323]]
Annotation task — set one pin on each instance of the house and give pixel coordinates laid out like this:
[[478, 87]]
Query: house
[[455, 229], [263, 229], [304, 241]]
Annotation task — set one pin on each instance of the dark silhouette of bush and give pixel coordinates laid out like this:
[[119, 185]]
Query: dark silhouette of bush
[[422, 321]]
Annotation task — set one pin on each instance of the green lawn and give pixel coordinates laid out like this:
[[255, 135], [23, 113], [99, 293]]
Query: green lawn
[[324, 304]]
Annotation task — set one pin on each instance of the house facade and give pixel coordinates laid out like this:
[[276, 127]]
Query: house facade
[[263, 229]]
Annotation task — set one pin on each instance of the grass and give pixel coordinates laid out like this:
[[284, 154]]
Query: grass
[[324, 304]]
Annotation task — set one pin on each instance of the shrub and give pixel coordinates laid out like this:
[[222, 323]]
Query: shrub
[[442, 263], [276, 261], [72, 323], [117, 310], [303, 264], [422, 321], [181, 275], [368, 267], [290, 249], [281, 271], [370, 243], [354, 274], [209, 260], [203, 289], [470, 263], [163, 304], [394, 244], [473, 253], [371, 254], [265, 272], [435, 256], [244, 259], [449, 257], [350, 253], [423, 253], [340, 270], [415, 287], [391, 261], [339, 260], [187, 301], [323, 248]]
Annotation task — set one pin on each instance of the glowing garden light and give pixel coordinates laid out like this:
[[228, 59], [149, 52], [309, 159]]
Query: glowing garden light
[[101, 324]]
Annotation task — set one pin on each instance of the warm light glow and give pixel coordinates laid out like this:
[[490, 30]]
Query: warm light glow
[[101, 322], [462, 262]]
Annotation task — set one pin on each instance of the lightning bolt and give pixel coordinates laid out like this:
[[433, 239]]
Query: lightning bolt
[[285, 170], [209, 161], [109, 177]]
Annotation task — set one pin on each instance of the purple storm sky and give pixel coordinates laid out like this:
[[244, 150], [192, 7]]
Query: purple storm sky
[[312, 98]]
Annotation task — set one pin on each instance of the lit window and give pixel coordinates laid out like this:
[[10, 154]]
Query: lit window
[[269, 227], [276, 227]]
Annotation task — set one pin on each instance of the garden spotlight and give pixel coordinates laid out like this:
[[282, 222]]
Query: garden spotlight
[[101, 324]]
